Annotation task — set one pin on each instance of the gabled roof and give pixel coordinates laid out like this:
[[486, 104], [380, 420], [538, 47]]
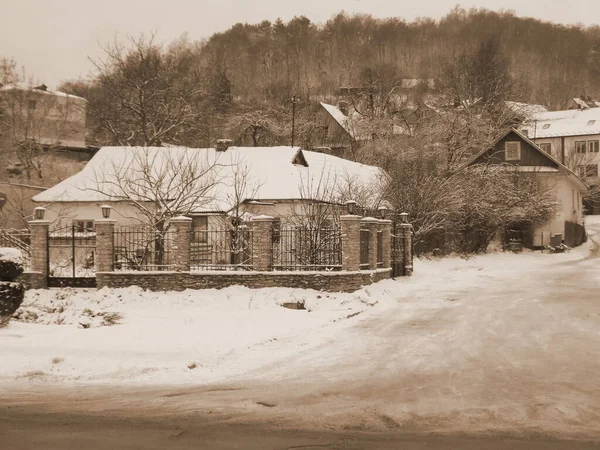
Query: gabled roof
[[337, 115], [277, 173], [561, 167], [570, 122]]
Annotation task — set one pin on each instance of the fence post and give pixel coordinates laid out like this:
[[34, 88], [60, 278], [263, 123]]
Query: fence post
[[39, 247], [350, 225], [105, 258], [262, 242], [182, 227], [386, 240], [407, 256], [372, 224]]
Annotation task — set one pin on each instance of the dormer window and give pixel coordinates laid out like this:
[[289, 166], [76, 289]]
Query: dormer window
[[546, 126], [512, 151], [299, 159], [590, 123]]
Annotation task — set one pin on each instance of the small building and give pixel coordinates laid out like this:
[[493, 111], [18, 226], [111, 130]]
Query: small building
[[516, 149]]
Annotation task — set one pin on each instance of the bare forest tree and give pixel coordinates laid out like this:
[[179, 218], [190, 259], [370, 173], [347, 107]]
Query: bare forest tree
[[145, 94]]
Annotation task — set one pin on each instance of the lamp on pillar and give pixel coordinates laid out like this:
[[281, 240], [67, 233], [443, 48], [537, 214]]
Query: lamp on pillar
[[106, 211], [404, 217], [350, 205], [39, 212], [382, 212]]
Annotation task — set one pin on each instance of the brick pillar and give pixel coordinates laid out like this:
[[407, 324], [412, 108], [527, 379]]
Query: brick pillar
[[407, 259], [350, 225], [386, 237], [180, 247], [39, 247], [262, 241], [105, 258], [371, 224]]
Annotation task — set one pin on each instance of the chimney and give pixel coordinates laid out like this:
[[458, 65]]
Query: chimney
[[41, 87], [343, 107], [223, 144]]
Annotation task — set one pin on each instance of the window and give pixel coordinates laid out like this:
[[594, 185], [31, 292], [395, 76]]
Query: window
[[546, 126], [82, 226], [512, 151], [588, 171], [580, 146], [593, 146], [547, 147], [199, 229], [590, 123], [31, 104]]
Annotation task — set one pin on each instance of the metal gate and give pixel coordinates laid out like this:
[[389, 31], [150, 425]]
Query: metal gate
[[398, 251], [71, 257]]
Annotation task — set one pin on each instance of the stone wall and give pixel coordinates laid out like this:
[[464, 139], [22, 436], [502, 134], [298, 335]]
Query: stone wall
[[178, 281], [33, 280]]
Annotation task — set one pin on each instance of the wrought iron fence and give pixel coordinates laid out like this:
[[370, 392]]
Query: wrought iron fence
[[380, 249], [303, 248], [364, 248], [221, 249], [144, 249], [19, 239]]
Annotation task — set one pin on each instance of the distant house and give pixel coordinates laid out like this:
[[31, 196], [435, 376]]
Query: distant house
[[280, 180], [51, 118], [516, 149], [582, 102], [338, 127], [573, 138]]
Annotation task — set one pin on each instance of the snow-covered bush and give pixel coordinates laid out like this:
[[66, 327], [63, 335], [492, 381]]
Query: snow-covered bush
[[11, 292]]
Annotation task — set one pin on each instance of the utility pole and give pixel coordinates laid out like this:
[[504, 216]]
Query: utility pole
[[294, 101]]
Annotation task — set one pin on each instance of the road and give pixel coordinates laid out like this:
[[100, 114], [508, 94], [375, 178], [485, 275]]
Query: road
[[509, 361]]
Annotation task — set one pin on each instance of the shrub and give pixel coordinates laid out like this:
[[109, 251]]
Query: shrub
[[11, 292], [10, 264], [11, 297]]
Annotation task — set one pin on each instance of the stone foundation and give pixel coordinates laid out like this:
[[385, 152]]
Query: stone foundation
[[179, 281], [33, 280]]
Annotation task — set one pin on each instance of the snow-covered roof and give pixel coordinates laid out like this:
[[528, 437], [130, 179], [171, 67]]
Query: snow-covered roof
[[410, 83], [274, 173], [338, 115], [570, 122], [26, 87], [526, 109]]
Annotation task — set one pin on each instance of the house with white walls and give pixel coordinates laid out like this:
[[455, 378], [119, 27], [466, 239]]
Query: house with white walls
[[211, 185], [516, 149]]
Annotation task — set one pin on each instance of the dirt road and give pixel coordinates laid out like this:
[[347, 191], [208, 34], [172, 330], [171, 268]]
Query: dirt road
[[21, 428]]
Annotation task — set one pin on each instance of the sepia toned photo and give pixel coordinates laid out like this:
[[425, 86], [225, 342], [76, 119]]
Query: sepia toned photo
[[278, 225]]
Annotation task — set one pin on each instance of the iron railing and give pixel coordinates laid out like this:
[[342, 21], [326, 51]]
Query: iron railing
[[19, 239], [144, 249], [380, 249], [365, 236], [304, 248], [221, 249]]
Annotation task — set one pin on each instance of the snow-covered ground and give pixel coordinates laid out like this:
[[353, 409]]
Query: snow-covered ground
[[500, 338], [133, 336]]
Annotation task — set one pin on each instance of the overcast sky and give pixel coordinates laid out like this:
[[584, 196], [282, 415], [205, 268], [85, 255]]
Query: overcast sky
[[53, 39]]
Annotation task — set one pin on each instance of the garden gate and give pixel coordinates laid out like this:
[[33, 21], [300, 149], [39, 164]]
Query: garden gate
[[71, 254]]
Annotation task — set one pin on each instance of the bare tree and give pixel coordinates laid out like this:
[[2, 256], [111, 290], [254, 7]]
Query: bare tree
[[159, 184], [145, 94]]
